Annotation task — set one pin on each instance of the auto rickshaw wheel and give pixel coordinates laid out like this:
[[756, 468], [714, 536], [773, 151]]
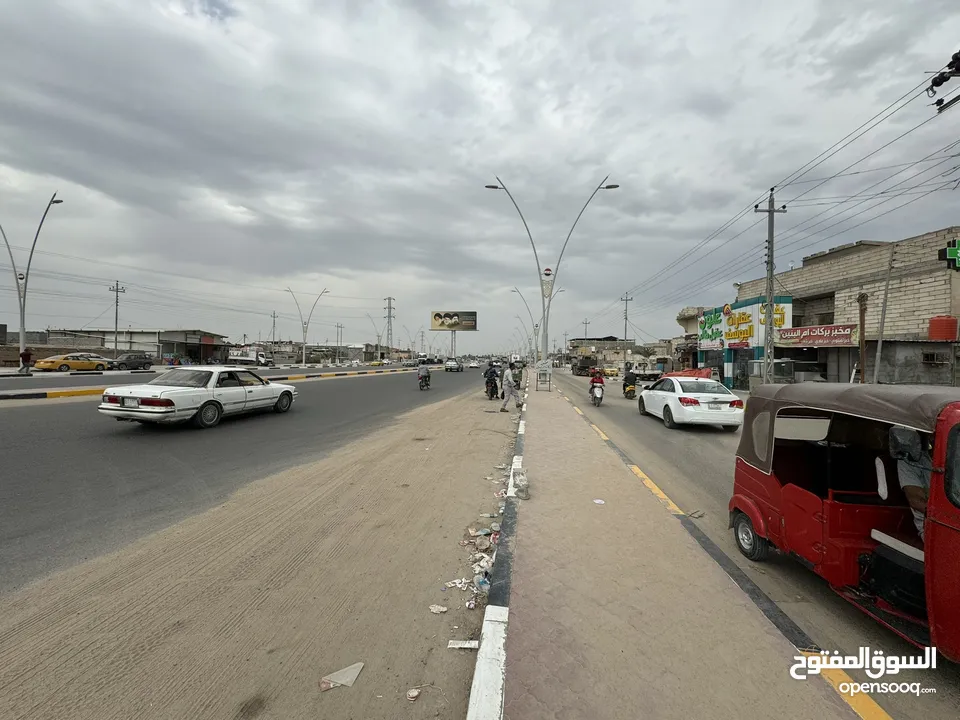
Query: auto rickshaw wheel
[[751, 546]]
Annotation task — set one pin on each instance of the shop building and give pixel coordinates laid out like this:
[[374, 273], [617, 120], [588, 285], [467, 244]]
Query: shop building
[[195, 346], [922, 306]]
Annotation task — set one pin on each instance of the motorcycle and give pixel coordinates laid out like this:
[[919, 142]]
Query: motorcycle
[[630, 392], [425, 382], [492, 391], [596, 394]]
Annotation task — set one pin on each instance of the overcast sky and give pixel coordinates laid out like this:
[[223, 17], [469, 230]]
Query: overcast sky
[[211, 153]]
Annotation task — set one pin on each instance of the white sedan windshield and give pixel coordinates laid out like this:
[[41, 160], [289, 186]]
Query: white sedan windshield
[[703, 387], [183, 378]]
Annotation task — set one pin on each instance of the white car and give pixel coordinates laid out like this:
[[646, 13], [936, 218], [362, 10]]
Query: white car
[[474, 364], [201, 393], [692, 401]]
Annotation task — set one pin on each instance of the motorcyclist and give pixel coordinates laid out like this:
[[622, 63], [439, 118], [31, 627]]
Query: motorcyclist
[[629, 378], [491, 375], [423, 373], [595, 379]]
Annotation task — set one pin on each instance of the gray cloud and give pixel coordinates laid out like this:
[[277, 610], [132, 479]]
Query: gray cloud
[[346, 144]]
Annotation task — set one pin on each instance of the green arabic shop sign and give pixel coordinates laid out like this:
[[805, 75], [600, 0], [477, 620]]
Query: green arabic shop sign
[[711, 330]]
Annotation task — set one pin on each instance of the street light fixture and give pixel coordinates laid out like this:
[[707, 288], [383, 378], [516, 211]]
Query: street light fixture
[[23, 278], [306, 323], [546, 296]]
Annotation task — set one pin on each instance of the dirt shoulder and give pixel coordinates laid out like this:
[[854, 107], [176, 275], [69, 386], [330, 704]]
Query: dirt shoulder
[[239, 612]]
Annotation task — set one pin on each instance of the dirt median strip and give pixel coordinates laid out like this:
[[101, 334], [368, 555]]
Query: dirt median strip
[[295, 576], [80, 392]]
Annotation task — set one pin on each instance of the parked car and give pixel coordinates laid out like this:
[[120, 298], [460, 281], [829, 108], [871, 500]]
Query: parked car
[[201, 393], [694, 401], [72, 361], [376, 363], [473, 364], [453, 365], [132, 361]]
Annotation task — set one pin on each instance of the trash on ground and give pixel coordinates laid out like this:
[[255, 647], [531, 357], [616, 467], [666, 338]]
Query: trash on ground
[[695, 515], [489, 477], [488, 515], [463, 645], [495, 527], [495, 538], [483, 543], [522, 492], [413, 694], [460, 584], [437, 609], [481, 583], [471, 603], [598, 501], [466, 542], [347, 677], [500, 493], [501, 466]]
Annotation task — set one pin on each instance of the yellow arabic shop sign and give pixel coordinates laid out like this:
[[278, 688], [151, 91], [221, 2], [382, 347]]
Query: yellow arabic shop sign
[[742, 328]]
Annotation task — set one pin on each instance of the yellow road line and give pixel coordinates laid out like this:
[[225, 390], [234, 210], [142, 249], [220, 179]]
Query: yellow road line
[[74, 393], [862, 704], [578, 409], [599, 432], [652, 487]]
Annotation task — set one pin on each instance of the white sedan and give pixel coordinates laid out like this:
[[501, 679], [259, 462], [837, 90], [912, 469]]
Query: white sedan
[[693, 401], [203, 394], [474, 364]]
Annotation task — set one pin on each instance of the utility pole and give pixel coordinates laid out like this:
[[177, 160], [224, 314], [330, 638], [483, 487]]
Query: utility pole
[[273, 330], [862, 302], [423, 341], [768, 332], [883, 314], [390, 308], [116, 290], [339, 339], [585, 323], [565, 348], [626, 299]]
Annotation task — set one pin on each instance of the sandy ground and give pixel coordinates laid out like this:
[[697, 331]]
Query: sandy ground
[[238, 612]]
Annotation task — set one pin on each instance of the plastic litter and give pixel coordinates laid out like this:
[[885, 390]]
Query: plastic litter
[[471, 604], [481, 583], [413, 694], [500, 493], [501, 466], [463, 645], [460, 584], [437, 609], [495, 527], [598, 501], [483, 543], [495, 538], [489, 515], [347, 676]]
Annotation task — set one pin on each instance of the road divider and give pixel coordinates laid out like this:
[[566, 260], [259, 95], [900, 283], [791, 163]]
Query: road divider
[[80, 392]]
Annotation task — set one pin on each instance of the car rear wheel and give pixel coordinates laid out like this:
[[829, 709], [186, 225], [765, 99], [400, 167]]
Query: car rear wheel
[[283, 402], [668, 420], [64, 368], [99, 366], [208, 415], [146, 366], [751, 546]]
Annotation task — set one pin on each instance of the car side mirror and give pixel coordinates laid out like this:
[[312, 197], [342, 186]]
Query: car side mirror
[[266, 382]]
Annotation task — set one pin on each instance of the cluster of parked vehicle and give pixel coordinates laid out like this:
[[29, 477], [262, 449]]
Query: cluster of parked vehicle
[[92, 361]]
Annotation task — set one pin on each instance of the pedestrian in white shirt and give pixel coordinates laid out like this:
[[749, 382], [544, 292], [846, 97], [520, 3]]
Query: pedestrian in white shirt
[[509, 386]]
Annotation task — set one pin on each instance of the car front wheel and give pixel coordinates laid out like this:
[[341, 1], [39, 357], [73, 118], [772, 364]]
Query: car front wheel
[[283, 402], [99, 367]]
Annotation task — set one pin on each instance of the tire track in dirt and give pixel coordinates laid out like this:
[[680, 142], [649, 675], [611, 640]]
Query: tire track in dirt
[[248, 604]]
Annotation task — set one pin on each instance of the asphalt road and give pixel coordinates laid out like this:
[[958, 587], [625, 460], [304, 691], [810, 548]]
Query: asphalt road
[[75, 484], [50, 381], [694, 466]]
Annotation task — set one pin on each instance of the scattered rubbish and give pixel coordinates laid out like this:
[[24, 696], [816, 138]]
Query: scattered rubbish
[[484, 531], [501, 466], [483, 543], [503, 506], [495, 538], [481, 583], [522, 492], [696, 514], [471, 603], [521, 485], [598, 501], [461, 584], [413, 694], [489, 515], [500, 494], [437, 609], [489, 477], [466, 542], [495, 527], [456, 627], [347, 677], [463, 645]]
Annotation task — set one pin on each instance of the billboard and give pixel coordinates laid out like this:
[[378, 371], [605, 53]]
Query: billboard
[[453, 320], [741, 325]]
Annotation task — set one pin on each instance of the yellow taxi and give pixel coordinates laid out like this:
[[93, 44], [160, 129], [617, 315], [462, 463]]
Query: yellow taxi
[[611, 371], [376, 363], [73, 361]]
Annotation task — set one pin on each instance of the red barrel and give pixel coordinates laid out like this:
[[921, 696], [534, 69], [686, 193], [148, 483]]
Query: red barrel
[[943, 327]]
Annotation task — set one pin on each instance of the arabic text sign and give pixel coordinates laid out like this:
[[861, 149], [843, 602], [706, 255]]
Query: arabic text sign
[[819, 336], [874, 663], [710, 330]]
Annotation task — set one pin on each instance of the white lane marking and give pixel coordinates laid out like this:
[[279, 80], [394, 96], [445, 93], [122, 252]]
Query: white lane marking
[[486, 692]]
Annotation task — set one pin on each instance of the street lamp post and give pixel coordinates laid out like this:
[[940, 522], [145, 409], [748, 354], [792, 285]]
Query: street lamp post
[[546, 297], [306, 323], [378, 333], [24, 278], [532, 321]]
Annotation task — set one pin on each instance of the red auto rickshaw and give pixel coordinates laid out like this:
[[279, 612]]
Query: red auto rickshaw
[[815, 478]]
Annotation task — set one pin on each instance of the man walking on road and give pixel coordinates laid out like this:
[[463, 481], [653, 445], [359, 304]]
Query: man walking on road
[[25, 357], [509, 386]]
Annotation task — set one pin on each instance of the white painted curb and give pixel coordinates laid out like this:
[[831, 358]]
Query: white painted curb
[[489, 675]]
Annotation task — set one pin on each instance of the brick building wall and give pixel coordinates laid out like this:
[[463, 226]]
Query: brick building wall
[[920, 287]]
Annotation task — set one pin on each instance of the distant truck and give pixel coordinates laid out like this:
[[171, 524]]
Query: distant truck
[[583, 364], [249, 356], [651, 369]]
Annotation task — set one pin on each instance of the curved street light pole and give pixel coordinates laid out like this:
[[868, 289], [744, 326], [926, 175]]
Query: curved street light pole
[[536, 326], [305, 324], [546, 301], [378, 333], [21, 282]]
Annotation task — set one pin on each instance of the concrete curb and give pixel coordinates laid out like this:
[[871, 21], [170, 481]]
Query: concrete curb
[[79, 392], [489, 674]]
